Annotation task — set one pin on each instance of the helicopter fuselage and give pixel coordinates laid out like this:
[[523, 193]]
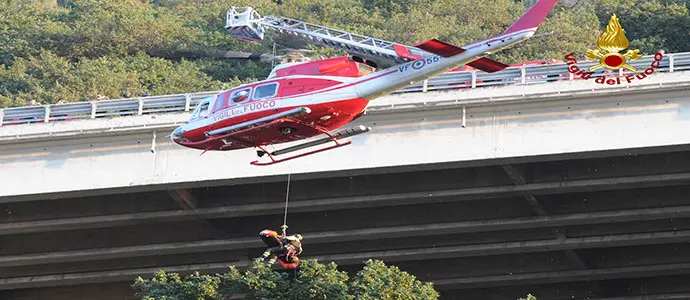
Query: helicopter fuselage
[[326, 87], [331, 92]]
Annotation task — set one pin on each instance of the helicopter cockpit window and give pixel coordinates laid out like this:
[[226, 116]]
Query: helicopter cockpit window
[[266, 91], [240, 96], [201, 110]]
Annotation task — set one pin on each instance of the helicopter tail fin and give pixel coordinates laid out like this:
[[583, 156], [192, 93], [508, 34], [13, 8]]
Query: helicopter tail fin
[[533, 17]]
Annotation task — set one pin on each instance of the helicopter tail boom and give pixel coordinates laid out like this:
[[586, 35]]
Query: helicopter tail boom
[[447, 50]]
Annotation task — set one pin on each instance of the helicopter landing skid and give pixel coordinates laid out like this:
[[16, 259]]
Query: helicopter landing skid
[[330, 138]]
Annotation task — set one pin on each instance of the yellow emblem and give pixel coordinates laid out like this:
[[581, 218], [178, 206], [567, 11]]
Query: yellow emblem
[[611, 42]]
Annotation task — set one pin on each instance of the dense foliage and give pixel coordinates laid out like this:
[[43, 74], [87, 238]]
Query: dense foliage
[[314, 281], [75, 50]]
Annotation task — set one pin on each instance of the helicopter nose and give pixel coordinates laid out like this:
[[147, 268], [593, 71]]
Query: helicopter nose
[[177, 135]]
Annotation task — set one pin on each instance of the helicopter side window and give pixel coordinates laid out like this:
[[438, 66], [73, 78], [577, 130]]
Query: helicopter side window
[[266, 91], [240, 96]]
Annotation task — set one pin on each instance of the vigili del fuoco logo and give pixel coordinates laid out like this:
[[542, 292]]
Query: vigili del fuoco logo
[[609, 45]]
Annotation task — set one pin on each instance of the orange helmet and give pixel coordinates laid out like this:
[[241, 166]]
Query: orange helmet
[[267, 233]]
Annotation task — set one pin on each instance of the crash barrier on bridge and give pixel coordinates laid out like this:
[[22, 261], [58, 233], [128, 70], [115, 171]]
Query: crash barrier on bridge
[[532, 74]]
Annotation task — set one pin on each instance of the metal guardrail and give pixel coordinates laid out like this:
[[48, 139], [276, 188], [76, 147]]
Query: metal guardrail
[[533, 74]]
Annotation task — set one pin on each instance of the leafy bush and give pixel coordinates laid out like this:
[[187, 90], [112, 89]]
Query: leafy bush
[[314, 281]]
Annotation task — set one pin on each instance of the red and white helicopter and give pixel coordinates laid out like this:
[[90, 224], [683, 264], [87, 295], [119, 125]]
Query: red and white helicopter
[[302, 100]]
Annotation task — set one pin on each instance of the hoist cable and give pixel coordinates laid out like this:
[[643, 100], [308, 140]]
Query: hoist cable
[[287, 195]]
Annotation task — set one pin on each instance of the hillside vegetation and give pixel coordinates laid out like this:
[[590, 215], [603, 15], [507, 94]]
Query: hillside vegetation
[[76, 50]]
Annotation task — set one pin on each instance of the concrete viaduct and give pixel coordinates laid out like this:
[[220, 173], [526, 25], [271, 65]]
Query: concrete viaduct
[[566, 190]]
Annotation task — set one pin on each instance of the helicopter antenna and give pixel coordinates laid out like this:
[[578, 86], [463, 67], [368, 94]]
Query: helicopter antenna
[[273, 62]]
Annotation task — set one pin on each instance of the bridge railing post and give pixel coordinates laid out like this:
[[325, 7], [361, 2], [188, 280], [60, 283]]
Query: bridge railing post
[[523, 74], [425, 84], [141, 106], [670, 62], [46, 119], [474, 78], [2, 116], [93, 109], [187, 102]]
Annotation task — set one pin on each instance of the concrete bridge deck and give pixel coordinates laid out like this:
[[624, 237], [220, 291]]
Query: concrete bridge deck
[[408, 130]]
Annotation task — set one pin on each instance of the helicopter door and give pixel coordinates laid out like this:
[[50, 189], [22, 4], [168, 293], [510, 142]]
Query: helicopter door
[[221, 102]]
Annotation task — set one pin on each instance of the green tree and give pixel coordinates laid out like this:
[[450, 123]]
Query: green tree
[[314, 281], [650, 25], [170, 286], [119, 27], [377, 281]]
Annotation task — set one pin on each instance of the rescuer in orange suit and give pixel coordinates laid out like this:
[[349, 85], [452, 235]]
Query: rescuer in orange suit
[[274, 243], [285, 248]]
